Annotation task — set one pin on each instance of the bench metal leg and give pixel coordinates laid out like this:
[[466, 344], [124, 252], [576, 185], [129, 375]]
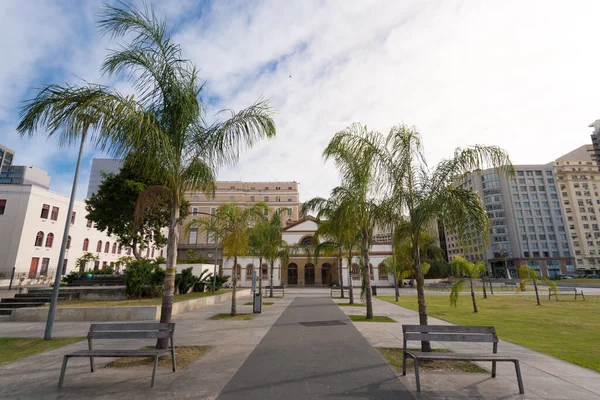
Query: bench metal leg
[[173, 358], [92, 363], [63, 370], [417, 374], [154, 371], [404, 365], [519, 378], [493, 369]]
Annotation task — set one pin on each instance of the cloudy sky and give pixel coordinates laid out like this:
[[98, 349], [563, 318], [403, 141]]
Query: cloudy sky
[[523, 75]]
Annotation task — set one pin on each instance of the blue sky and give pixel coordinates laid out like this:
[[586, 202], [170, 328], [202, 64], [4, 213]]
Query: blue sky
[[522, 75]]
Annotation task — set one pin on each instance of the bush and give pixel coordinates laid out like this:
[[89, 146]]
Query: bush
[[71, 277], [108, 270], [219, 280], [438, 270], [185, 281], [144, 279]]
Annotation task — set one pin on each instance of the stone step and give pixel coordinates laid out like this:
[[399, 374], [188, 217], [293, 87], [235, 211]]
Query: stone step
[[22, 305], [61, 296], [5, 311], [31, 299]]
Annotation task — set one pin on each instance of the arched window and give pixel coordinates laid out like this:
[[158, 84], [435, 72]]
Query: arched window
[[49, 239], [265, 271], [307, 241], [86, 244], [355, 271], [371, 272], [249, 269], [99, 246], [69, 242], [238, 274], [107, 247], [382, 272], [152, 253], [119, 249], [114, 250], [129, 251], [39, 238]]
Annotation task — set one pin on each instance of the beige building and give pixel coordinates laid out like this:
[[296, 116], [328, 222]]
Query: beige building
[[578, 178], [277, 195]]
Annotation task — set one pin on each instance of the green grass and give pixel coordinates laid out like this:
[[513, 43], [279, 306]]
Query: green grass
[[376, 318], [228, 317], [351, 305], [566, 329], [265, 303], [578, 280], [394, 357], [12, 349], [140, 302]]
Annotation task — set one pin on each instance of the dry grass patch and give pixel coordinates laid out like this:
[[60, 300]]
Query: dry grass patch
[[228, 317], [376, 318], [351, 305], [265, 303], [184, 356], [394, 356], [12, 349]]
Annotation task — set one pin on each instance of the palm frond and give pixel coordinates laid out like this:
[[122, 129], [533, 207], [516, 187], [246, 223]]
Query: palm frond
[[455, 291]]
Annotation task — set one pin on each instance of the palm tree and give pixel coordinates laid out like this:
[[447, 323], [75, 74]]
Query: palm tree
[[470, 271], [425, 194], [328, 244], [528, 274], [274, 246], [234, 226], [165, 119], [428, 249], [258, 239]]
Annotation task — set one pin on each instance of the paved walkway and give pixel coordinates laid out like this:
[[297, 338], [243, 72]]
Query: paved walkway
[[314, 351]]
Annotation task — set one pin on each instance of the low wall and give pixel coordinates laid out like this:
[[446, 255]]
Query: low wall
[[131, 313]]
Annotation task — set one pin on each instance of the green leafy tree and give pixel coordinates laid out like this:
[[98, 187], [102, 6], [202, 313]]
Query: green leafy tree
[[82, 261], [528, 274], [469, 271], [165, 118], [425, 194]]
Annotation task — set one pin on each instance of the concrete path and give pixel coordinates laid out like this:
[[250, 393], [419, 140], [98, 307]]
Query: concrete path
[[544, 377], [313, 351]]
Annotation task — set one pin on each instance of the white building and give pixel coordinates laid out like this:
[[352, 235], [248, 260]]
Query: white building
[[101, 167], [302, 270], [22, 175], [32, 221]]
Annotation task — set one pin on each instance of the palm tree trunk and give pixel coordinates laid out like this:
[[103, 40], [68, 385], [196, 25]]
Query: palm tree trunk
[[367, 279], [136, 250], [234, 280], [350, 291], [260, 275], [473, 295], [341, 273], [425, 345], [169, 284], [271, 278], [537, 296], [484, 290]]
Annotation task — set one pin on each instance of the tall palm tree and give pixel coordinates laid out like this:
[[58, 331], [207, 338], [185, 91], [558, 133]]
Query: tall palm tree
[[164, 119], [258, 239], [328, 243], [235, 225], [425, 194], [274, 246]]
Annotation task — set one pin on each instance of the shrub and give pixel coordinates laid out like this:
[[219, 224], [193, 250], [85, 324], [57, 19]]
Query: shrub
[[439, 269], [144, 278], [71, 277], [185, 281], [219, 280]]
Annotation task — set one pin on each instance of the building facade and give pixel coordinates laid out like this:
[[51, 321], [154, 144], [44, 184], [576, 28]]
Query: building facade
[[22, 175], [6, 157], [283, 196], [101, 167], [578, 179], [527, 223]]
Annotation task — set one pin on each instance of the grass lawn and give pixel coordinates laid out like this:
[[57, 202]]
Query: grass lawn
[[265, 303], [394, 356], [579, 280], [228, 317], [12, 349], [566, 329], [140, 302], [376, 318], [184, 355], [351, 305]]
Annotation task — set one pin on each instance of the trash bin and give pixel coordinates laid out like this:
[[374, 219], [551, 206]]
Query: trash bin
[[374, 290], [257, 303]]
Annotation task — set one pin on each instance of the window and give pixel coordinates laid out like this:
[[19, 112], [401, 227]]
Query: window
[[33, 267], [238, 271], [382, 272], [371, 272], [265, 271], [86, 244], [193, 236], [49, 240], [355, 273], [121, 248], [64, 268], [44, 268], [114, 248], [45, 211], [106, 247], [231, 198], [88, 224], [96, 265], [251, 198], [73, 218], [249, 269], [266, 198], [213, 211], [39, 239], [54, 215], [68, 242], [194, 210], [99, 246], [2, 206]]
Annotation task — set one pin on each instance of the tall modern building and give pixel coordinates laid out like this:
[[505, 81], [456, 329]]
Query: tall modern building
[[578, 179], [101, 167], [596, 141], [6, 156], [527, 224]]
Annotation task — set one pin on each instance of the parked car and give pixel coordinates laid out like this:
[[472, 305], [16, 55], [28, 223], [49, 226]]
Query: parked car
[[593, 276], [568, 276]]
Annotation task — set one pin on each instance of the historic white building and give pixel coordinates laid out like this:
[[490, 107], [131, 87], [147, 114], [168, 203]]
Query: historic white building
[[302, 270], [32, 221]]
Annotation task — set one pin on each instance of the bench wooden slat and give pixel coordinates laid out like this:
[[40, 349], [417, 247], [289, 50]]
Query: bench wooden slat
[[449, 328], [459, 337], [130, 334], [461, 357], [135, 326], [118, 353]]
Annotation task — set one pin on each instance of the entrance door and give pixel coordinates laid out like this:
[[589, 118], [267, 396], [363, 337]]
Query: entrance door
[[33, 267], [326, 274], [309, 274], [292, 271]]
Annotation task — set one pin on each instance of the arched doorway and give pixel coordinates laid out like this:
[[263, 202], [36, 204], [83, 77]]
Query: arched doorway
[[292, 274], [326, 274], [309, 274]]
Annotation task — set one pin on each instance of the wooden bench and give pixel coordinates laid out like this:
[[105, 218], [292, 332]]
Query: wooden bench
[[339, 290], [565, 290], [151, 330], [452, 333], [278, 289], [509, 285]]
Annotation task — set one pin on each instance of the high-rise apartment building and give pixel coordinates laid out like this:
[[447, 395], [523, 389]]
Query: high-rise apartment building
[[578, 179], [6, 157], [527, 224], [101, 167], [596, 142]]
